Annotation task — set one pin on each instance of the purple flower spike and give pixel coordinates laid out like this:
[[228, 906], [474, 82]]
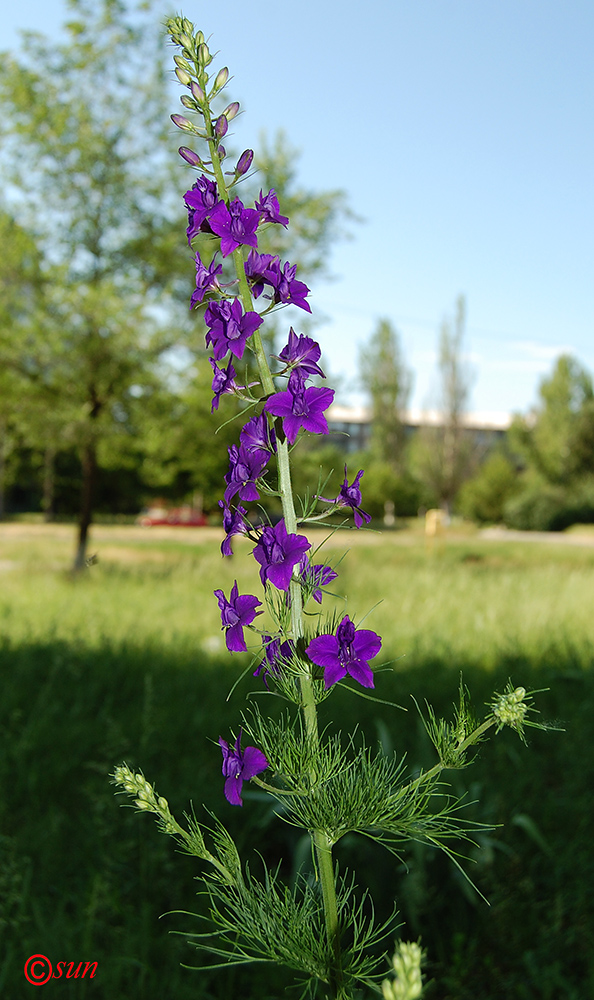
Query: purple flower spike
[[230, 327], [269, 208], [302, 353], [244, 468], [347, 652], [350, 496], [223, 381], [235, 225], [200, 201], [278, 552], [236, 614], [206, 279], [300, 407], [240, 766], [317, 576]]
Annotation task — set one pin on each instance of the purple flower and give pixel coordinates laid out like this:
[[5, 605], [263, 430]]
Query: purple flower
[[269, 208], [244, 468], [234, 523], [262, 269], [229, 327], [239, 766], [277, 552], [317, 576], [223, 381], [347, 652], [289, 290], [274, 650], [350, 496], [200, 201], [257, 438], [300, 407], [236, 614], [301, 353], [206, 279], [235, 225]]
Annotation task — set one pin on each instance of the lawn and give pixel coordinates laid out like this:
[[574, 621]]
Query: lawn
[[128, 662]]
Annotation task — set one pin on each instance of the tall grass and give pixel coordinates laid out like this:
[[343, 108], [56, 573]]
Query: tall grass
[[127, 663]]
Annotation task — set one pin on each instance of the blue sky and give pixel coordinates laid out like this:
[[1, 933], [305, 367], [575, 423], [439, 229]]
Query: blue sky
[[461, 131]]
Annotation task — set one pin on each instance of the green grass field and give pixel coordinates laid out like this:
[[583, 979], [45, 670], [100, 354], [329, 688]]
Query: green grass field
[[128, 662]]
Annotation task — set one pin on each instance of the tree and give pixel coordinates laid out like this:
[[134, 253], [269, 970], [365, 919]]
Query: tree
[[556, 439], [387, 382], [87, 148], [445, 453]]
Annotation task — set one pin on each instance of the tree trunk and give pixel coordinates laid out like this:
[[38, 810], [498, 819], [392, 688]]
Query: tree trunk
[[87, 494], [49, 483]]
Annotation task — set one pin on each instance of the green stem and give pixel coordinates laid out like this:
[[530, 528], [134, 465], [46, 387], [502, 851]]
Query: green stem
[[322, 845]]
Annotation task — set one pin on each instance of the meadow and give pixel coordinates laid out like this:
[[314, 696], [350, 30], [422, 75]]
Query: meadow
[[128, 663]]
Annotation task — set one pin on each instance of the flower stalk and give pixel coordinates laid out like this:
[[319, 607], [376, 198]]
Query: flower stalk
[[326, 789]]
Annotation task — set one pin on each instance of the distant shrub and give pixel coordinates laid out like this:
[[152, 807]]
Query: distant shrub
[[544, 507], [483, 497]]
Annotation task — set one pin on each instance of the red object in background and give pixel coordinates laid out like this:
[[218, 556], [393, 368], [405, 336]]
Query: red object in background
[[183, 517]]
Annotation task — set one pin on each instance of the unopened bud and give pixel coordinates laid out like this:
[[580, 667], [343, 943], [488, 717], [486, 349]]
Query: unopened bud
[[204, 56], [221, 78], [182, 63], [182, 123], [199, 37], [162, 803], [221, 152], [187, 102], [185, 40], [231, 111], [190, 156], [141, 804], [187, 26], [182, 76], [197, 92], [220, 127], [244, 162]]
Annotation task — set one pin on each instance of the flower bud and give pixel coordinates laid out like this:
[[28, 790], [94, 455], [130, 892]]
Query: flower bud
[[182, 122], [197, 92], [188, 102], [182, 63], [244, 162], [204, 56], [141, 804], [182, 76], [186, 41], [231, 111], [163, 803], [220, 127], [186, 26], [190, 156], [221, 78], [199, 37], [221, 152]]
